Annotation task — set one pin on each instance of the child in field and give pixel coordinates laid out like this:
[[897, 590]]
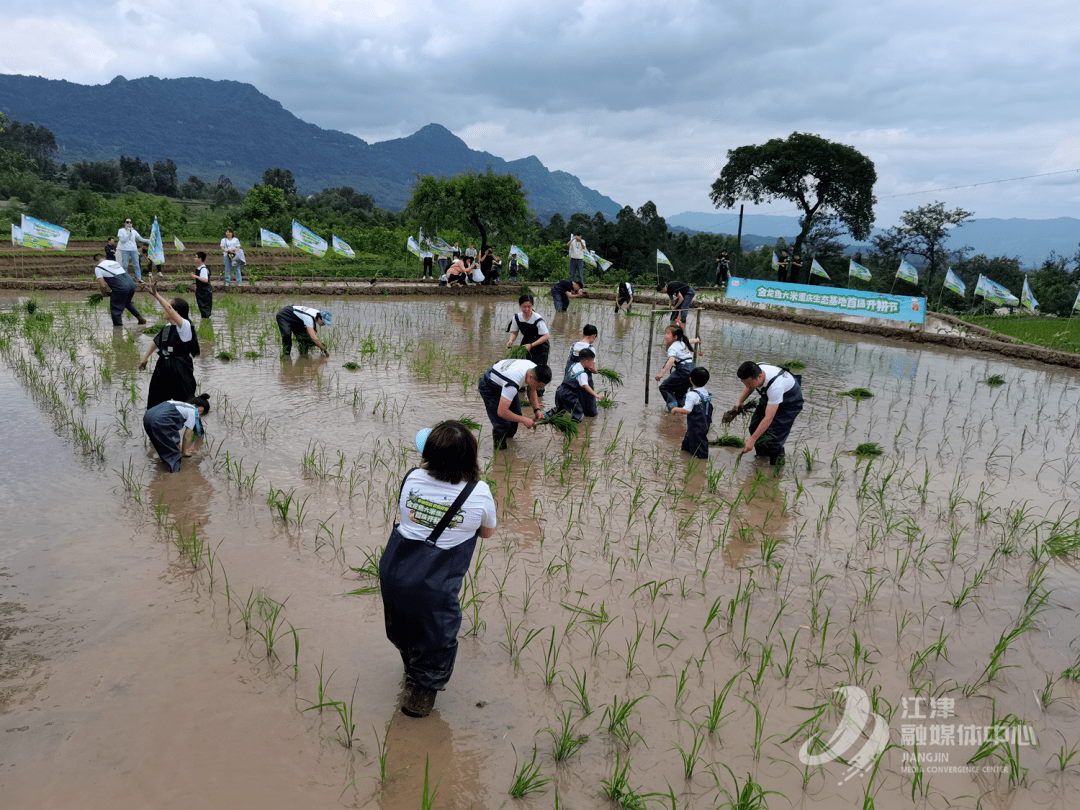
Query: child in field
[[533, 330], [699, 410], [680, 363], [589, 334], [576, 390], [624, 295]]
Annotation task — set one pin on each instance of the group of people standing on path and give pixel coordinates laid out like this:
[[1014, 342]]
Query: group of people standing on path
[[468, 267]]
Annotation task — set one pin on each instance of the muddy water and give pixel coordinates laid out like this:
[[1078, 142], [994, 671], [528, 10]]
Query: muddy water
[[129, 668]]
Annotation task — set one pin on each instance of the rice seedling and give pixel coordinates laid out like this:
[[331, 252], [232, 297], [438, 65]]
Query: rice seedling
[[527, 778], [994, 380], [517, 352], [153, 329], [868, 450], [691, 756], [714, 710], [427, 799], [618, 789], [470, 423], [794, 365], [858, 393], [224, 356], [610, 375], [728, 441], [579, 690], [749, 796], [94, 299], [566, 740], [351, 366], [562, 423]]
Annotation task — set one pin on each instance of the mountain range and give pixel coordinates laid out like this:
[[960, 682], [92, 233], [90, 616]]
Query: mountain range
[[1030, 240], [225, 128]]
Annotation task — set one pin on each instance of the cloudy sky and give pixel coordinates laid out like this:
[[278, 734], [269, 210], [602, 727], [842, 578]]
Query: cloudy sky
[[641, 100]]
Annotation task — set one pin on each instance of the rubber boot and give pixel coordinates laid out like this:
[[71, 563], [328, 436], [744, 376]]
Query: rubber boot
[[418, 701]]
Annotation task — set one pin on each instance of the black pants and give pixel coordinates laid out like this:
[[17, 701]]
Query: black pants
[[676, 384], [501, 429], [122, 290], [420, 586], [163, 425], [771, 443]]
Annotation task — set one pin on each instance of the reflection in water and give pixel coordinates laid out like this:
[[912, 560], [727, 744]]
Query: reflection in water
[[298, 371], [758, 516], [416, 744], [186, 493]]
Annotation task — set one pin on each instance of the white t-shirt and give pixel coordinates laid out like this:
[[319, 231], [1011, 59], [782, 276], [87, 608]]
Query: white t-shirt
[[229, 244], [541, 326], [515, 371], [579, 374], [127, 238], [424, 502], [203, 272], [477, 274], [188, 411], [696, 396], [109, 268], [307, 315], [584, 344], [777, 390], [679, 351], [577, 248]]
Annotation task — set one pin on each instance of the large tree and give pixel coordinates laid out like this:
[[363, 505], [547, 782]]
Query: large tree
[[922, 232], [828, 181], [485, 204]]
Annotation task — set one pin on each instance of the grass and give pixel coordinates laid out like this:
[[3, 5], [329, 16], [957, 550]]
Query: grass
[[527, 779], [1061, 334]]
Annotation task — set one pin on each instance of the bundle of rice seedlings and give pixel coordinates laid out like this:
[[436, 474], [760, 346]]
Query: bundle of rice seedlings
[[868, 450], [611, 375], [252, 355], [94, 299], [180, 288], [794, 365], [995, 381], [728, 441], [858, 393], [561, 421], [153, 329], [469, 422], [351, 366], [224, 356], [606, 402], [518, 352]]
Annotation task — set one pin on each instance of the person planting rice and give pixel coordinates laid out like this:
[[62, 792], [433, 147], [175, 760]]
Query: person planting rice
[[533, 330], [698, 409], [576, 396], [302, 323], [589, 334], [499, 389], [781, 401], [680, 363], [624, 296], [116, 285], [563, 291], [681, 295], [177, 345], [442, 508], [170, 425], [204, 293]]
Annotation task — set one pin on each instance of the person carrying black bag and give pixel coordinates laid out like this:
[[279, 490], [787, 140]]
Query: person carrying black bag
[[443, 507]]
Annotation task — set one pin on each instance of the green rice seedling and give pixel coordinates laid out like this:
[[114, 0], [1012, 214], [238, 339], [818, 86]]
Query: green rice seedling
[[94, 299], [607, 402], [427, 800], [323, 683], [749, 796], [728, 441], [995, 380], [1065, 755], [470, 423], [551, 659], [280, 502], [527, 778], [1060, 544], [563, 423], [224, 356], [351, 366], [858, 394], [691, 756], [252, 355], [247, 609], [1073, 672], [714, 710], [794, 365], [566, 741], [610, 375], [579, 690], [517, 352], [618, 789], [617, 715], [153, 329], [868, 450], [759, 727], [272, 630]]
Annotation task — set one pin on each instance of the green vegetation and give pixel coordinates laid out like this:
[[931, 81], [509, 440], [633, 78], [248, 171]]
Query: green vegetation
[[868, 450], [1062, 335], [995, 380], [858, 394]]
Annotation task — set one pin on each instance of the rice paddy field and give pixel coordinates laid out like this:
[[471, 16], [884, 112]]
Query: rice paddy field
[[1062, 334], [887, 620]]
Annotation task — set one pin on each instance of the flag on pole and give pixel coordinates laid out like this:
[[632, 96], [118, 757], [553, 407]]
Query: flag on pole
[[662, 259], [775, 262], [857, 270], [523, 259], [817, 270], [178, 244], [907, 272], [16, 234], [992, 291], [271, 239], [342, 247], [413, 247], [156, 250], [39, 235], [953, 282], [1026, 298], [307, 241], [1076, 304]]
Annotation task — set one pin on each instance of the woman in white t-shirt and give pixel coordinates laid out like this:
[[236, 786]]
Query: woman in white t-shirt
[[443, 507], [229, 246], [176, 345], [170, 426]]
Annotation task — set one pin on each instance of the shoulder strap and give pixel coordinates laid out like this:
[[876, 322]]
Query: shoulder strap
[[403, 480], [455, 507], [779, 374]]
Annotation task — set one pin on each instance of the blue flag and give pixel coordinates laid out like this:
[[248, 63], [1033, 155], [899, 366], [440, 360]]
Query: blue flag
[[953, 282]]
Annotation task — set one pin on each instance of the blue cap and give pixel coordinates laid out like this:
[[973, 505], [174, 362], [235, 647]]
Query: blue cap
[[421, 438], [326, 316]]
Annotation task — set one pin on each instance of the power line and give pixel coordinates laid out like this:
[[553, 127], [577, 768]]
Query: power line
[[975, 185]]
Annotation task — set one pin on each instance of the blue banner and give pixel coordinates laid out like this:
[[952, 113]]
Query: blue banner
[[156, 250], [829, 299]]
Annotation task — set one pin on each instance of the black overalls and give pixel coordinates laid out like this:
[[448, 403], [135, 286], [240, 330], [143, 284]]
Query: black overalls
[[571, 397], [204, 296], [673, 389], [420, 583], [530, 333], [771, 443], [174, 373], [698, 424], [290, 325], [491, 392], [164, 424], [122, 289]]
